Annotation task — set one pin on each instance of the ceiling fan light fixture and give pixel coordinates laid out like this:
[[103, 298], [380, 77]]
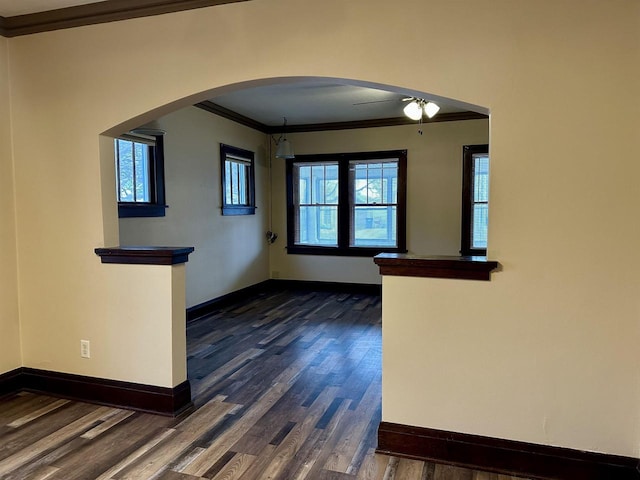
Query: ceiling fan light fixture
[[285, 149], [430, 109], [413, 110]]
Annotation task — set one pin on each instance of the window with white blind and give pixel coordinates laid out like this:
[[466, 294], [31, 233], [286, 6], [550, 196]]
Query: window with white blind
[[475, 200], [347, 204], [238, 181], [139, 164]]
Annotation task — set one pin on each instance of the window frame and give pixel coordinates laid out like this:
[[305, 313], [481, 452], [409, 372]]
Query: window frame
[[248, 208], [344, 204], [156, 207], [466, 243]]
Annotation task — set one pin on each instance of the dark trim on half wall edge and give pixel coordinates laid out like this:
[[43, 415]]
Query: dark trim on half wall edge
[[211, 306], [134, 396], [144, 255], [503, 456], [461, 268]]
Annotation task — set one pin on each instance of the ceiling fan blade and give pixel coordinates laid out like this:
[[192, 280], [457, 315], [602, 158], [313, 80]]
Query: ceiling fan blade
[[374, 101]]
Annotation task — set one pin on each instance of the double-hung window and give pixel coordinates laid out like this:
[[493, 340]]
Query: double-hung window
[[238, 181], [475, 199], [140, 176], [347, 204]]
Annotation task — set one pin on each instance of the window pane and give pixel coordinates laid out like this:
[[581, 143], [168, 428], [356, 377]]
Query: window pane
[[141, 160], [317, 178], [227, 183], [479, 225], [374, 183], [318, 225], [237, 182], [480, 178], [390, 175], [132, 163], [480, 210], [374, 226], [304, 175], [125, 159], [242, 170], [331, 184], [234, 183]]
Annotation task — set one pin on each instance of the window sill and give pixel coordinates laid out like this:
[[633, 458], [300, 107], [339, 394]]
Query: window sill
[[130, 210], [464, 268], [341, 252], [238, 210], [474, 252]]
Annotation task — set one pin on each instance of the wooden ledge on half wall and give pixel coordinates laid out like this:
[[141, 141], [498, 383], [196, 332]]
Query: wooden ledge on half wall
[[144, 255], [436, 266]]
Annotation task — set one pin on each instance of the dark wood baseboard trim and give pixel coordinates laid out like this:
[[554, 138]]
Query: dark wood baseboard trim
[[10, 382], [503, 456], [114, 393], [341, 287], [211, 306]]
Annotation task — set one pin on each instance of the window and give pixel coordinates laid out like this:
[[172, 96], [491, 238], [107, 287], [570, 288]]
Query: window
[[347, 204], [140, 176], [238, 181], [475, 199]]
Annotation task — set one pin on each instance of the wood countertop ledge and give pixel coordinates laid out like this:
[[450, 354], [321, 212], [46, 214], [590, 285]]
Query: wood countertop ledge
[[145, 255], [408, 265]]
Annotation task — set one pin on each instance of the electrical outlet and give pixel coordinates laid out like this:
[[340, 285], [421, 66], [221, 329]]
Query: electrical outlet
[[85, 351]]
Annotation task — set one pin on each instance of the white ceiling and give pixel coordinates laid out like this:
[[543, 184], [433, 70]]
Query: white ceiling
[[316, 102], [10, 8]]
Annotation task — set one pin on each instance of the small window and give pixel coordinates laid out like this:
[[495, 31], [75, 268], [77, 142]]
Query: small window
[[347, 204], [140, 176], [475, 200], [238, 181]]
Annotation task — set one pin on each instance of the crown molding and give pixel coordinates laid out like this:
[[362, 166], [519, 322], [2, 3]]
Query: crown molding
[[216, 109], [223, 112], [99, 12], [381, 122]]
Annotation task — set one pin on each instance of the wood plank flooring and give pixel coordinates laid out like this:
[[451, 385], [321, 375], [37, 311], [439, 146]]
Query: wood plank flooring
[[286, 386]]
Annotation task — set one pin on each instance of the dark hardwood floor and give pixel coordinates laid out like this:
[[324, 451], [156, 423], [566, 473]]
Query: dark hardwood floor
[[286, 386]]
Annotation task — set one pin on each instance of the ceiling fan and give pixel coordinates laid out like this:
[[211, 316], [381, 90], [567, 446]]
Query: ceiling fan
[[414, 109]]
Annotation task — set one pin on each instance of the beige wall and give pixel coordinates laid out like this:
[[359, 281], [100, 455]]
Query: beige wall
[[10, 356], [434, 191], [230, 251], [554, 338]]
